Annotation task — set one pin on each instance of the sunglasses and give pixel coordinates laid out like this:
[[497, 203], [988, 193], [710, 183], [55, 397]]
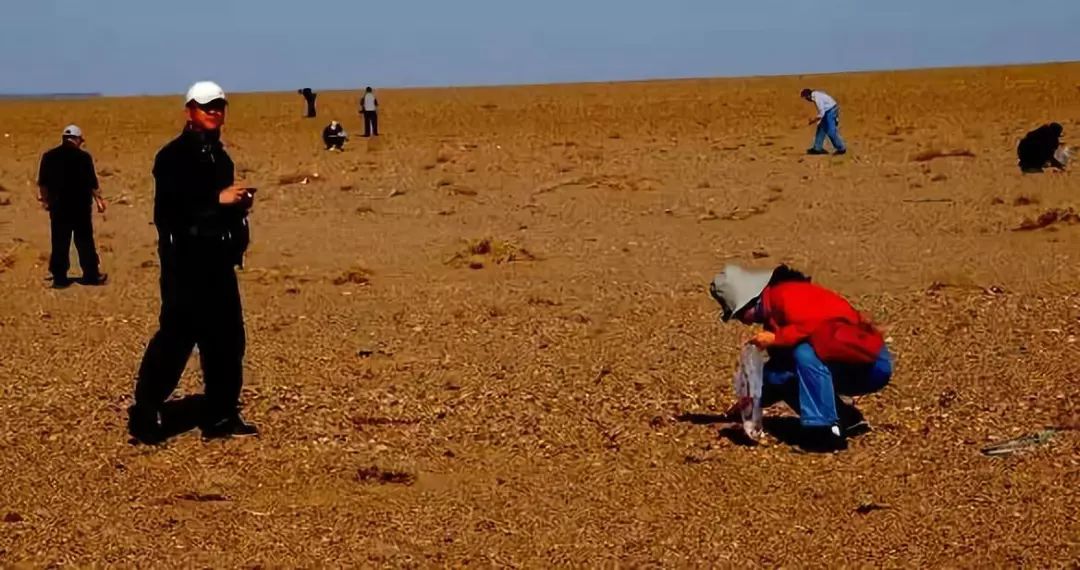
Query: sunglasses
[[215, 105]]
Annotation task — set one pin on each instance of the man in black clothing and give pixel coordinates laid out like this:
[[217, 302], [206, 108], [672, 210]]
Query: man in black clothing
[[309, 97], [201, 216], [1037, 149], [334, 136], [67, 183]]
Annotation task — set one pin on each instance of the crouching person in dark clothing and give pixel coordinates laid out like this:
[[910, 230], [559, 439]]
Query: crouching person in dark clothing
[[334, 136], [1039, 148], [201, 216]]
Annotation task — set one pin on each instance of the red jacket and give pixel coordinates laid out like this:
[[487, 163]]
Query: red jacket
[[795, 309]]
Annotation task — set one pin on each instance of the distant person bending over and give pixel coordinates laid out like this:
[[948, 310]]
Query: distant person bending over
[[309, 97], [67, 183], [818, 345], [1039, 148], [828, 120], [334, 136], [369, 108]]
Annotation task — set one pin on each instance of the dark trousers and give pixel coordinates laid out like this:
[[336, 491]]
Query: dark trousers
[[334, 142], [65, 222], [311, 110], [371, 123], [200, 306]]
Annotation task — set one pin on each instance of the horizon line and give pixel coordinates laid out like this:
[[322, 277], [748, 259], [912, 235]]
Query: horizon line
[[99, 94]]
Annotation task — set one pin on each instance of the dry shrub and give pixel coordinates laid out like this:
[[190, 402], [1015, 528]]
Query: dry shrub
[[381, 476], [1049, 218], [478, 252], [361, 210], [540, 301], [928, 155], [202, 497], [356, 275], [1025, 201]]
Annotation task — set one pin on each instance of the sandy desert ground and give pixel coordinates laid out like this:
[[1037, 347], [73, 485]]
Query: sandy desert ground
[[552, 399]]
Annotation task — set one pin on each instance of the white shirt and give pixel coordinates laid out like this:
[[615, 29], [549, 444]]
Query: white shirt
[[823, 102], [368, 102]]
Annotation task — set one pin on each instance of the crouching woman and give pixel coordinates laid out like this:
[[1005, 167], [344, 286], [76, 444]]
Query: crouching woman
[[819, 348]]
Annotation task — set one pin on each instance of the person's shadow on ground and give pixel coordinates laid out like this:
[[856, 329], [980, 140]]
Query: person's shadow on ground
[[785, 429], [181, 416]]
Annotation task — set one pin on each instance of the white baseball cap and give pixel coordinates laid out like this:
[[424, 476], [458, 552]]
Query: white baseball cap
[[73, 131], [204, 92]]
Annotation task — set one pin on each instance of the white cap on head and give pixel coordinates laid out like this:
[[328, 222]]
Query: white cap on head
[[204, 92], [72, 131]]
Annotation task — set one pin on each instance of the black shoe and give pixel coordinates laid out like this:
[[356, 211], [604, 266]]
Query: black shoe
[[816, 151], [144, 426], [841, 152], [61, 282], [822, 440], [851, 419], [94, 280], [233, 426]]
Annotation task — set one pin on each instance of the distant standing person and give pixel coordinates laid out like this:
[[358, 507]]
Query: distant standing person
[[828, 120], [309, 97], [369, 108], [67, 184], [334, 136], [201, 216], [1039, 148]]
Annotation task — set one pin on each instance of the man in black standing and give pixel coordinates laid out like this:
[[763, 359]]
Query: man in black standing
[[369, 108], [201, 216], [67, 183], [309, 98]]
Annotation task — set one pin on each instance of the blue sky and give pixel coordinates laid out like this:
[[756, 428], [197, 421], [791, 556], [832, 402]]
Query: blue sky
[[147, 46]]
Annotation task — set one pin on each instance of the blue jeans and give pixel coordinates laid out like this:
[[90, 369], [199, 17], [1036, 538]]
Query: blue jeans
[[829, 126], [818, 382]]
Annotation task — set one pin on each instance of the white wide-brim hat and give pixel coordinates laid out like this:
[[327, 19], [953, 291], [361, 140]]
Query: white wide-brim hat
[[736, 287]]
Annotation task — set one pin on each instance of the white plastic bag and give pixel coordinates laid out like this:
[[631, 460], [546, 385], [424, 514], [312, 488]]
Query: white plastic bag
[[1063, 154], [748, 380]]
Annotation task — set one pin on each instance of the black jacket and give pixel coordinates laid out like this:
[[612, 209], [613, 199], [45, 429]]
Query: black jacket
[[1037, 148], [332, 133], [67, 173], [189, 173]]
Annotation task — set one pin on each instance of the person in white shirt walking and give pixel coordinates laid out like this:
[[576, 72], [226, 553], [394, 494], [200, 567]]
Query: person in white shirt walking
[[369, 108], [828, 122]]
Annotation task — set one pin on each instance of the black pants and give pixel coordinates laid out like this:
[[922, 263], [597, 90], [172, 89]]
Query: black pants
[[371, 123], [200, 306], [334, 142], [65, 222]]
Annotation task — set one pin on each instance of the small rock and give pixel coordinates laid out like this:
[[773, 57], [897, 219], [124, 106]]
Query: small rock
[[13, 517]]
